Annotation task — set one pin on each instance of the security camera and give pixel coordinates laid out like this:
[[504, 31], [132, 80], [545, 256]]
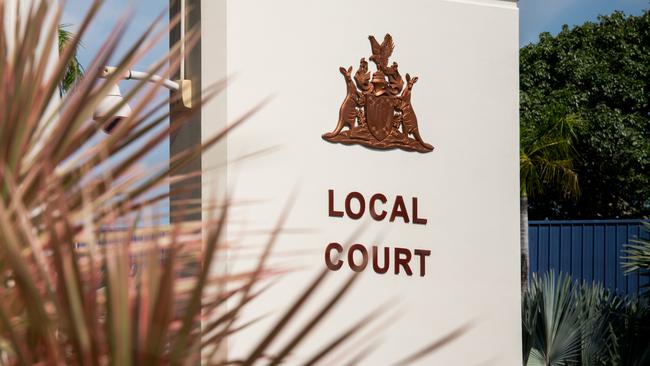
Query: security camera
[[114, 97], [103, 110]]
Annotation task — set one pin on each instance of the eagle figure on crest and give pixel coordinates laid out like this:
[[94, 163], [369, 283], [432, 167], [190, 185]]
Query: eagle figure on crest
[[377, 109], [381, 52]]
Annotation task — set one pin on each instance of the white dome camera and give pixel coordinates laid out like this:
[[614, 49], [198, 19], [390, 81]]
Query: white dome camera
[[103, 110]]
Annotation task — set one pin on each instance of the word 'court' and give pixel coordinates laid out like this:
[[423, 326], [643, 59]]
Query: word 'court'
[[381, 260]]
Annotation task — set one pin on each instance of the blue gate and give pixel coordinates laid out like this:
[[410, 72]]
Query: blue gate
[[589, 250]]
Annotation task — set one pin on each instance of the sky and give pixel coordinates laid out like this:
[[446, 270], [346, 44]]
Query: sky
[[142, 13], [536, 16]]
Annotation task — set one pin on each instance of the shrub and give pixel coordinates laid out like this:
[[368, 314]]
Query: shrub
[[565, 322]]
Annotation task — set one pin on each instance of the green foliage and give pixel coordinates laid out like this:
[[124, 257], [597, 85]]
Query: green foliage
[[530, 301], [74, 71], [637, 257], [547, 151], [555, 333], [568, 323], [630, 333], [600, 72]]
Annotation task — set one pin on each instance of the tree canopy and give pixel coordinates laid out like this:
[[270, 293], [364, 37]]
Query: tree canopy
[[599, 71]]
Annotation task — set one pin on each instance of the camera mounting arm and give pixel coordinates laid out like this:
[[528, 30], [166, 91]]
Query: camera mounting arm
[[183, 86]]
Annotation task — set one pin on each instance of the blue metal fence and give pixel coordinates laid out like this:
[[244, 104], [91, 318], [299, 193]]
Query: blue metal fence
[[590, 250]]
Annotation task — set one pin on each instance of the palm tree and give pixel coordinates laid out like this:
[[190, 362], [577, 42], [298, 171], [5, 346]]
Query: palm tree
[[74, 71], [546, 155]]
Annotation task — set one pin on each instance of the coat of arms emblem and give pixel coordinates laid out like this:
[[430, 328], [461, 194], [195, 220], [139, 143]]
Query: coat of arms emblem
[[377, 110]]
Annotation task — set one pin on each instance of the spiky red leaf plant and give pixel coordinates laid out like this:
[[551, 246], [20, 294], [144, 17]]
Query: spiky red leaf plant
[[73, 291]]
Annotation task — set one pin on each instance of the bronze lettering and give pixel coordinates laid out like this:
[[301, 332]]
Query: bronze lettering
[[422, 253], [348, 206], [355, 207], [358, 255], [328, 256], [375, 260], [399, 210], [358, 259], [416, 219], [373, 212], [402, 259], [364, 255], [331, 210]]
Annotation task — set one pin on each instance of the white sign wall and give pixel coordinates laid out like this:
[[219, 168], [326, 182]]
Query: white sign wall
[[458, 255]]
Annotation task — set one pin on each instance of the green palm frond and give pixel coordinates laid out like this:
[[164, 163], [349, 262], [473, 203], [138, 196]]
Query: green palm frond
[[567, 323], [74, 71], [636, 258], [629, 333], [547, 153], [595, 308], [555, 333]]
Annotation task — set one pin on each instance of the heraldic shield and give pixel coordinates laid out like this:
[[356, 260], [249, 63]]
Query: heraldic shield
[[380, 111]]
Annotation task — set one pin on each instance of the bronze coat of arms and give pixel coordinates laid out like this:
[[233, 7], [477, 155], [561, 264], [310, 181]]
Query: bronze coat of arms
[[377, 111]]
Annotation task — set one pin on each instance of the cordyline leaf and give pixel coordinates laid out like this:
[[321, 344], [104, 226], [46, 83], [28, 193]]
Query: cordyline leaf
[[33, 93], [194, 307], [17, 208], [349, 333], [40, 151], [67, 262], [223, 334], [162, 314], [372, 336], [8, 330], [261, 348], [229, 317], [302, 334], [363, 353], [117, 305], [253, 278], [36, 311], [427, 350]]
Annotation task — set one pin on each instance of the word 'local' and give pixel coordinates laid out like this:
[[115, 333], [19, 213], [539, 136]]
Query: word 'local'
[[358, 256], [355, 208]]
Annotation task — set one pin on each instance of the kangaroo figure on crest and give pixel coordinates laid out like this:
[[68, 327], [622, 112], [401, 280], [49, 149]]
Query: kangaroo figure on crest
[[348, 112], [409, 120]]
